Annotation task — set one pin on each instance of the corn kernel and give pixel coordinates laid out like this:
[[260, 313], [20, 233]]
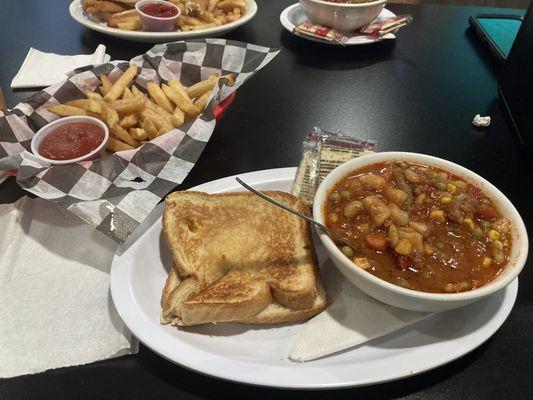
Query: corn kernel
[[404, 247], [493, 234], [451, 188], [445, 199], [438, 215], [497, 244], [487, 261], [333, 218], [469, 224], [362, 262]]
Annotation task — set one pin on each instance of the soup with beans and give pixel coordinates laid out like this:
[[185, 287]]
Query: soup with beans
[[419, 227]]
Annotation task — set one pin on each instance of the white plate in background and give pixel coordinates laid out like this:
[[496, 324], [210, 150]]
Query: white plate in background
[[258, 355], [76, 11]]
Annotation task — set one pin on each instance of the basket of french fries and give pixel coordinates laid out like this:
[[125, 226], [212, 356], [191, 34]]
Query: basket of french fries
[[160, 112], [133, 117]]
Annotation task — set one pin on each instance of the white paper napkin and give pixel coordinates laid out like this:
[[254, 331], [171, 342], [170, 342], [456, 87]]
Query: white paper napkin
[[352, 318], [56, 309], [44, 69]]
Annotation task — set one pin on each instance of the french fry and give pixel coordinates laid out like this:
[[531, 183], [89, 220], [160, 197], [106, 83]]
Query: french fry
[[149, 127], [138, 134], [178, 117], [106, 84], [86, 104], [104, 6], [134, 25], [127, 94], [232, 17], [229, 5], [190, 20], [159, 111], [127, 106], [128, 121], [212, 5], [120, 133], [207, 16], [109, 115], [159, 96], [118, 87], [176, 92], [135, 91], [229, 78], [162, 131], [116, 145], [160, 120], [93, 95], [123, 17], [203, 26], [201, 102], [64, 110], [201, 87]]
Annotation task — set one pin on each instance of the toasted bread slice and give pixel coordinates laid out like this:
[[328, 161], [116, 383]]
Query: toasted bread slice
[[275, 313], [236, 255], [237, 295]]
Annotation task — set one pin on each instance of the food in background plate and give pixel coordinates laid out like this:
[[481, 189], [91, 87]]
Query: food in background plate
[[239, 258], [194, 14], [419, 227], [159, 10], [104, 8], [134, 117]]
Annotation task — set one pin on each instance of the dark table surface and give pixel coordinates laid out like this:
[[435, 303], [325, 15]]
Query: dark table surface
[[417, 93]]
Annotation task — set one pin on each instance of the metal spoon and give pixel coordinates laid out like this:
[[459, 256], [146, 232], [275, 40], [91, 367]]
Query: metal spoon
[[307, 218]]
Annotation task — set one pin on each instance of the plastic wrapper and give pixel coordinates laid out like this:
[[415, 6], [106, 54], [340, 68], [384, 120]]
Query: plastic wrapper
[[378, 29], [322, 152]]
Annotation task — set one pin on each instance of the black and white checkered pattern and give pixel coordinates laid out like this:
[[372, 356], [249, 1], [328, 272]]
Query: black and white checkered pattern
[[116, 193]]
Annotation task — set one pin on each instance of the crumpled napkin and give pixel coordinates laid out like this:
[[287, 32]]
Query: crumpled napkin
[[54, 290], [480, 121], [44, 69], [351, 319]]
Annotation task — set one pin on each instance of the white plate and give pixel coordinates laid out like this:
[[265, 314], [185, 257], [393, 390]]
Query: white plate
[[293, 16], [76, 11], [257, 354]]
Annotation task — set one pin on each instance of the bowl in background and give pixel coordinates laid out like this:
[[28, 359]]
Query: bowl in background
[[412, 299], [342, 17]]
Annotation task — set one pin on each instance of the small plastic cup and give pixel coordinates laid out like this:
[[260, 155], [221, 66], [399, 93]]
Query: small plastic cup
[[45, 130], [157, 24]]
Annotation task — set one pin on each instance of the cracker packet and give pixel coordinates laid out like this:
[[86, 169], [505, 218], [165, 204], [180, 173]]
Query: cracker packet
[[322, 152]]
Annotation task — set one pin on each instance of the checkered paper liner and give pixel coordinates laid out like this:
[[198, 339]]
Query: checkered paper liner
[[115, 193]]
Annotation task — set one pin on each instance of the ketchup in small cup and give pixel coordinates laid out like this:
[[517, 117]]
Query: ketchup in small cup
[[69, 140], [157, 15], [159, 10]]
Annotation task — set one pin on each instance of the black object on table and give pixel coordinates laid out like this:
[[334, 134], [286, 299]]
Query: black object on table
[[517, 81], [418, 93]]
